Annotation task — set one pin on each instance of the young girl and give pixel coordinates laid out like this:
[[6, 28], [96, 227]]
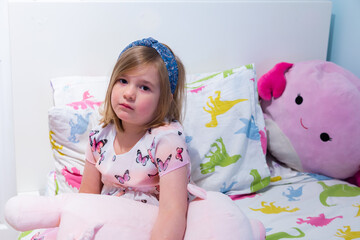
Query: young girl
[[138, 151]]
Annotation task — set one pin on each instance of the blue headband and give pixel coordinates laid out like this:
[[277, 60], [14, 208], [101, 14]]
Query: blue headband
[[166, 55]]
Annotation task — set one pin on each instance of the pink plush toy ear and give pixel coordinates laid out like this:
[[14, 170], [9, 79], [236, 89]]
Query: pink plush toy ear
[[273, 82]]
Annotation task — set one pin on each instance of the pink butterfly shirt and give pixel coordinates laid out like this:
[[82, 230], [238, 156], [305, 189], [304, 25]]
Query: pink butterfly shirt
[[160, 151]]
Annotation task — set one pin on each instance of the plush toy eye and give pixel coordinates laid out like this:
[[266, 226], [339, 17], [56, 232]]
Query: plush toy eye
[[299, 99], [325, 137]]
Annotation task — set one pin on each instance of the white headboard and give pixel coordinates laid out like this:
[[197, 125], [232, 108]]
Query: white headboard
[[54, 39]]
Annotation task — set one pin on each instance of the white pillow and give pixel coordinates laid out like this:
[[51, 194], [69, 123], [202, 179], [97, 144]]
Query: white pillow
[[77, 100], [69, 133], [79, 91], [225, 131]]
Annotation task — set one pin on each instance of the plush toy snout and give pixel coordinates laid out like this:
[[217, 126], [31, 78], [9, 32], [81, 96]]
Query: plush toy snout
[[26, 213]]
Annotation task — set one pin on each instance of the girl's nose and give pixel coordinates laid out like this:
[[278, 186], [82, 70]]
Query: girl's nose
[[130, 93]]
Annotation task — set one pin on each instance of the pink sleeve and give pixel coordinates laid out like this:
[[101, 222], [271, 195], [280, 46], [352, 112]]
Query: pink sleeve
[[89, 155], [171, 154]]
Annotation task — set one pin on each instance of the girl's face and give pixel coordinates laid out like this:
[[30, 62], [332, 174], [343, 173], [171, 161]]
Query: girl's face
[[135, 96]]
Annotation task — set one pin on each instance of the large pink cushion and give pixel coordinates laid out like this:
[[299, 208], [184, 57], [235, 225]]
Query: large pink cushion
[[90, 216]]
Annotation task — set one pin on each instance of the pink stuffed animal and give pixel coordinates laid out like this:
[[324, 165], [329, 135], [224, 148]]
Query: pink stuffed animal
[[101, 217], [313, 121]]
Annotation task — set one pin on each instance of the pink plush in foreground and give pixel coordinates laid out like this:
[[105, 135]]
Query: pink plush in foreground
[[90, 216]]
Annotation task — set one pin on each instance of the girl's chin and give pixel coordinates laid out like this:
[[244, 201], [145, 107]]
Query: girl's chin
[[129, 119], [131, 122]]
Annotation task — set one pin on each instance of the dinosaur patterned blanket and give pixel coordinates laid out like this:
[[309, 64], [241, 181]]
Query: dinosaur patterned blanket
[[305, 206]]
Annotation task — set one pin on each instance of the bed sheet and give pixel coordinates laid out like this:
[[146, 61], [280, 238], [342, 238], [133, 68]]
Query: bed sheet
[[304, 206]]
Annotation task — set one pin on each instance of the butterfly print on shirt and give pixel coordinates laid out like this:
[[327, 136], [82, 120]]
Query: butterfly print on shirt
[[151, 158], [102, 157], [93, 132], [152, 144], [178, 154], [141, 159], [149, 152], [124, 178], [162, 166], [97, 145]]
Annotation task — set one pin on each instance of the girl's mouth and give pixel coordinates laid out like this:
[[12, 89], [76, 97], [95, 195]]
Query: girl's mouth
[[124, 105], [302, 124]]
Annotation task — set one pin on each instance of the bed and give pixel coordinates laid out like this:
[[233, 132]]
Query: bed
[[70, 59]]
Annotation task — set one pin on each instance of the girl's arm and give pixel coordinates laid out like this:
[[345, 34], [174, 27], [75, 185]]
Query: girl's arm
[[171, 220], [91, 180]]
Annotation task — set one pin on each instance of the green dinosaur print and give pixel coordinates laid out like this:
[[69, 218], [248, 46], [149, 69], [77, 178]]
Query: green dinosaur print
[[24, 234], [249, 66], [258, 183], [282, 235], [225, 74], [56, 186], [337, 190], [202, 79], [228, 73], [218, 158]]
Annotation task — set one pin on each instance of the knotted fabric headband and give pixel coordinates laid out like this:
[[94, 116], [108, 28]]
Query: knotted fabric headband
[[166, 55]]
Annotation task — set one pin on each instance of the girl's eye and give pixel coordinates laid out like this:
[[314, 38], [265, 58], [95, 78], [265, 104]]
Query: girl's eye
[[123, 81], [145, 88]]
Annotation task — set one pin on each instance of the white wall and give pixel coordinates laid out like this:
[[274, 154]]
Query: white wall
[[7, 159]]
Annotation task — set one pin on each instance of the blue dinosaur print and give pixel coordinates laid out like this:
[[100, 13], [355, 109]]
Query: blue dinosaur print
[[188, 139], [250, 129], [78, 128], [294, 194], [225, 189], [318, 177]]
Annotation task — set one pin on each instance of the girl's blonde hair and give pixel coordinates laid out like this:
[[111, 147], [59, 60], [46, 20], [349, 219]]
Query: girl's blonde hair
[[169, 106]]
